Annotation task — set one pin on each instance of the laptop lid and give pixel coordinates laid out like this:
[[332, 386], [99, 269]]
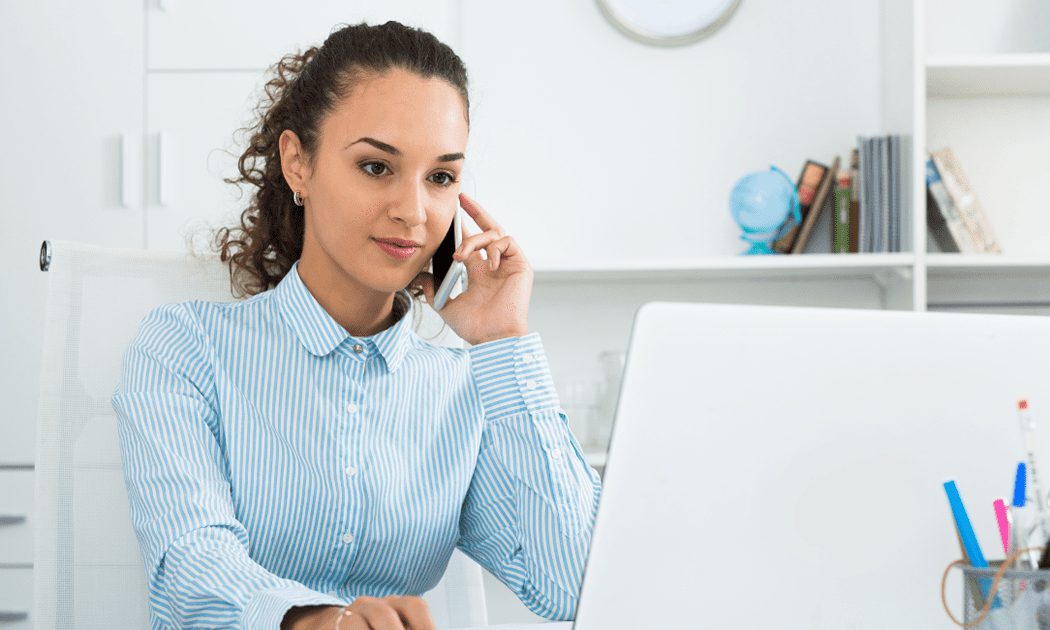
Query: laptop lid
[[782, 467]]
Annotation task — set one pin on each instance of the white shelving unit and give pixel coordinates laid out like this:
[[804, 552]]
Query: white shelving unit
[[972, 90]]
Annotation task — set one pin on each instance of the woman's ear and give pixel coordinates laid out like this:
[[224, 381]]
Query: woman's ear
[[293, 161]]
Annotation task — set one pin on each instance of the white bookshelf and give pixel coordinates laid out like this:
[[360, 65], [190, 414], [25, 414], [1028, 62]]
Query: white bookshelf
[[967, 83], [987, 96]]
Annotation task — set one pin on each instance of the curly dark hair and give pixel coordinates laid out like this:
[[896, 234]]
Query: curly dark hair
[[306, 86]]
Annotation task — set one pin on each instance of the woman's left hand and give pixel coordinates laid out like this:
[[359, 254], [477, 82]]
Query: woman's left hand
[[496, 302]]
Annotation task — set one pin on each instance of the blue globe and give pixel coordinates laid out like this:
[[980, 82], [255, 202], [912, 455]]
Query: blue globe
[[760, 203]]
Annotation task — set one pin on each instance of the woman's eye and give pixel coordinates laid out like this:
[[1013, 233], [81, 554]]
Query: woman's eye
[[449, 178], [367, 164]]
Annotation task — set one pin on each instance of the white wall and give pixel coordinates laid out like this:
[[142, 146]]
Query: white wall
[[628, 146]]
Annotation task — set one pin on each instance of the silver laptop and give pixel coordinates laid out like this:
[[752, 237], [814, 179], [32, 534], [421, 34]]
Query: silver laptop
[[775, 467]]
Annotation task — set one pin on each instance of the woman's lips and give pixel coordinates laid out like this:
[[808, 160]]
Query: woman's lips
[[396, 251]]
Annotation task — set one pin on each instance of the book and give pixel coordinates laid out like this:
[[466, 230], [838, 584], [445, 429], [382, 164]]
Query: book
[[864, 181], [840, 239], [965, 201], [854, 201], [942, 220], [808, 180], [820, 198], [879, 193], [882, 168], [896, 196]]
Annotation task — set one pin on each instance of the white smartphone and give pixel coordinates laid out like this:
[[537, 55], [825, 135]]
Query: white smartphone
[[448, 271]]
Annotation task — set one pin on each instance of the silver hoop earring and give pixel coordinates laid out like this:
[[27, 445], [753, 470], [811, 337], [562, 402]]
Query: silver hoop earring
[[297, 199]]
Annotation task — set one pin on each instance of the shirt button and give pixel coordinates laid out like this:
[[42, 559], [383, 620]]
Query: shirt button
[[348, 538], [555, 453], [527, 358], [350, 471], [358, 348], [352, 407], [530, 384]]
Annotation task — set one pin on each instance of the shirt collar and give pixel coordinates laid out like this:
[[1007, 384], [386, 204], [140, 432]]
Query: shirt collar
[[322, 335]]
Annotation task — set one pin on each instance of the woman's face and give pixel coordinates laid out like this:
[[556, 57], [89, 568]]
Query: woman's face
[[387, 165]]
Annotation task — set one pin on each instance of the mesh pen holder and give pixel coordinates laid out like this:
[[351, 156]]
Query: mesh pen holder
[[1000, 597]]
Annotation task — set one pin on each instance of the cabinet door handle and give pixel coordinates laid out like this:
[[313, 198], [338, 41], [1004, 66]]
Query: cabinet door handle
[[12, 519], [13, 615], [127, 173], [163, 146]]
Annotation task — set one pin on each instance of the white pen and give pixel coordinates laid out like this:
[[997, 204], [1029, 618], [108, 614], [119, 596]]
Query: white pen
[[1028, 434]]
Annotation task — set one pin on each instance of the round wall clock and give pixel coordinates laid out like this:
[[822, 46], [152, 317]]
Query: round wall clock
[[668, 22]]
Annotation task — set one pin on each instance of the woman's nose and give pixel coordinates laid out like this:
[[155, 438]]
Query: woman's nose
[[410, 207]]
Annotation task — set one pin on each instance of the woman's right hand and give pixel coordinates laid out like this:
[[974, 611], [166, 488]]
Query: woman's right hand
[[367, 613]]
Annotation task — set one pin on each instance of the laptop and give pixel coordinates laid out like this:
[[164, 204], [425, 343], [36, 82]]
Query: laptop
[[783, 467]]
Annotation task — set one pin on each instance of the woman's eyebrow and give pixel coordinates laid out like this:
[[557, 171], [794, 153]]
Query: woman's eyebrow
[[382, 146]]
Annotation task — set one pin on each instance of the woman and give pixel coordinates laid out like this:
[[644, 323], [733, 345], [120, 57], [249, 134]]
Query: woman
[[303, 459]]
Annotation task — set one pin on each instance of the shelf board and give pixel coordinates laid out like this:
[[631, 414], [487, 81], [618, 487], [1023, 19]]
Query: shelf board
[[739, 267], [985, 265], [984, 75], [985, 261]]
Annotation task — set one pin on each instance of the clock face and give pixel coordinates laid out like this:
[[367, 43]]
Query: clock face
[[668, 22]]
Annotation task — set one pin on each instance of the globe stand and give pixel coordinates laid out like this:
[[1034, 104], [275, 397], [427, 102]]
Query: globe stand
[[759, 244]]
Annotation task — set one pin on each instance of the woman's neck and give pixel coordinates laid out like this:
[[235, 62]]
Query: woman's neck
[[361, 311]]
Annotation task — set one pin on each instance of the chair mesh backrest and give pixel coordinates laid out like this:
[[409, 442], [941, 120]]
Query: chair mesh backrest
[[88, 568]]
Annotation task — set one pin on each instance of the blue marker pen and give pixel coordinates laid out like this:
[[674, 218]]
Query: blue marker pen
[[1020, 535], [969, 538]]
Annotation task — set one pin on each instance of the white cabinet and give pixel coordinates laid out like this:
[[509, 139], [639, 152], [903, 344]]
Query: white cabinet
[[16, 519], [16, 598], [72, 107], [16, 547], [192, 147], [72, 169], [244, 34]]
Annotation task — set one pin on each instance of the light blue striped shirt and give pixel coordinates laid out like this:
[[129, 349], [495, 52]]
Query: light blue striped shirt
[[273, 460]]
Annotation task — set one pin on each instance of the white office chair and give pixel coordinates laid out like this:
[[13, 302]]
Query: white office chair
[[89, 572]]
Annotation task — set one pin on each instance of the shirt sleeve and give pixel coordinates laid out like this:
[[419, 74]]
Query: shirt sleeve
[[530, 508], [194, 548]]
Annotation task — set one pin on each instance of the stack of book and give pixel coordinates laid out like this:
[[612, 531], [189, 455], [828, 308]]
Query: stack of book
[[954, 215], [865, 200]]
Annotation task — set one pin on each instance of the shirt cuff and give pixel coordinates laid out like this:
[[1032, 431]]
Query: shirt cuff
[[513, 376], [267, 608]]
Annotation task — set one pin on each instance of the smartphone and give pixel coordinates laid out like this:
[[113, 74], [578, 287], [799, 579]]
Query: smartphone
[[446, 270]]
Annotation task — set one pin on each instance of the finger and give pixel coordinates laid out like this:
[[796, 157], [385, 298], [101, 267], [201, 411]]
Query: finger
[[414, 612], [494, 256], [380, 616], [479, 214], [474, 242], [507, 247], [373, 613], [356, 622]]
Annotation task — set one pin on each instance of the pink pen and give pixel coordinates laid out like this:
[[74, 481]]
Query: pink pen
[[1002, 516]]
